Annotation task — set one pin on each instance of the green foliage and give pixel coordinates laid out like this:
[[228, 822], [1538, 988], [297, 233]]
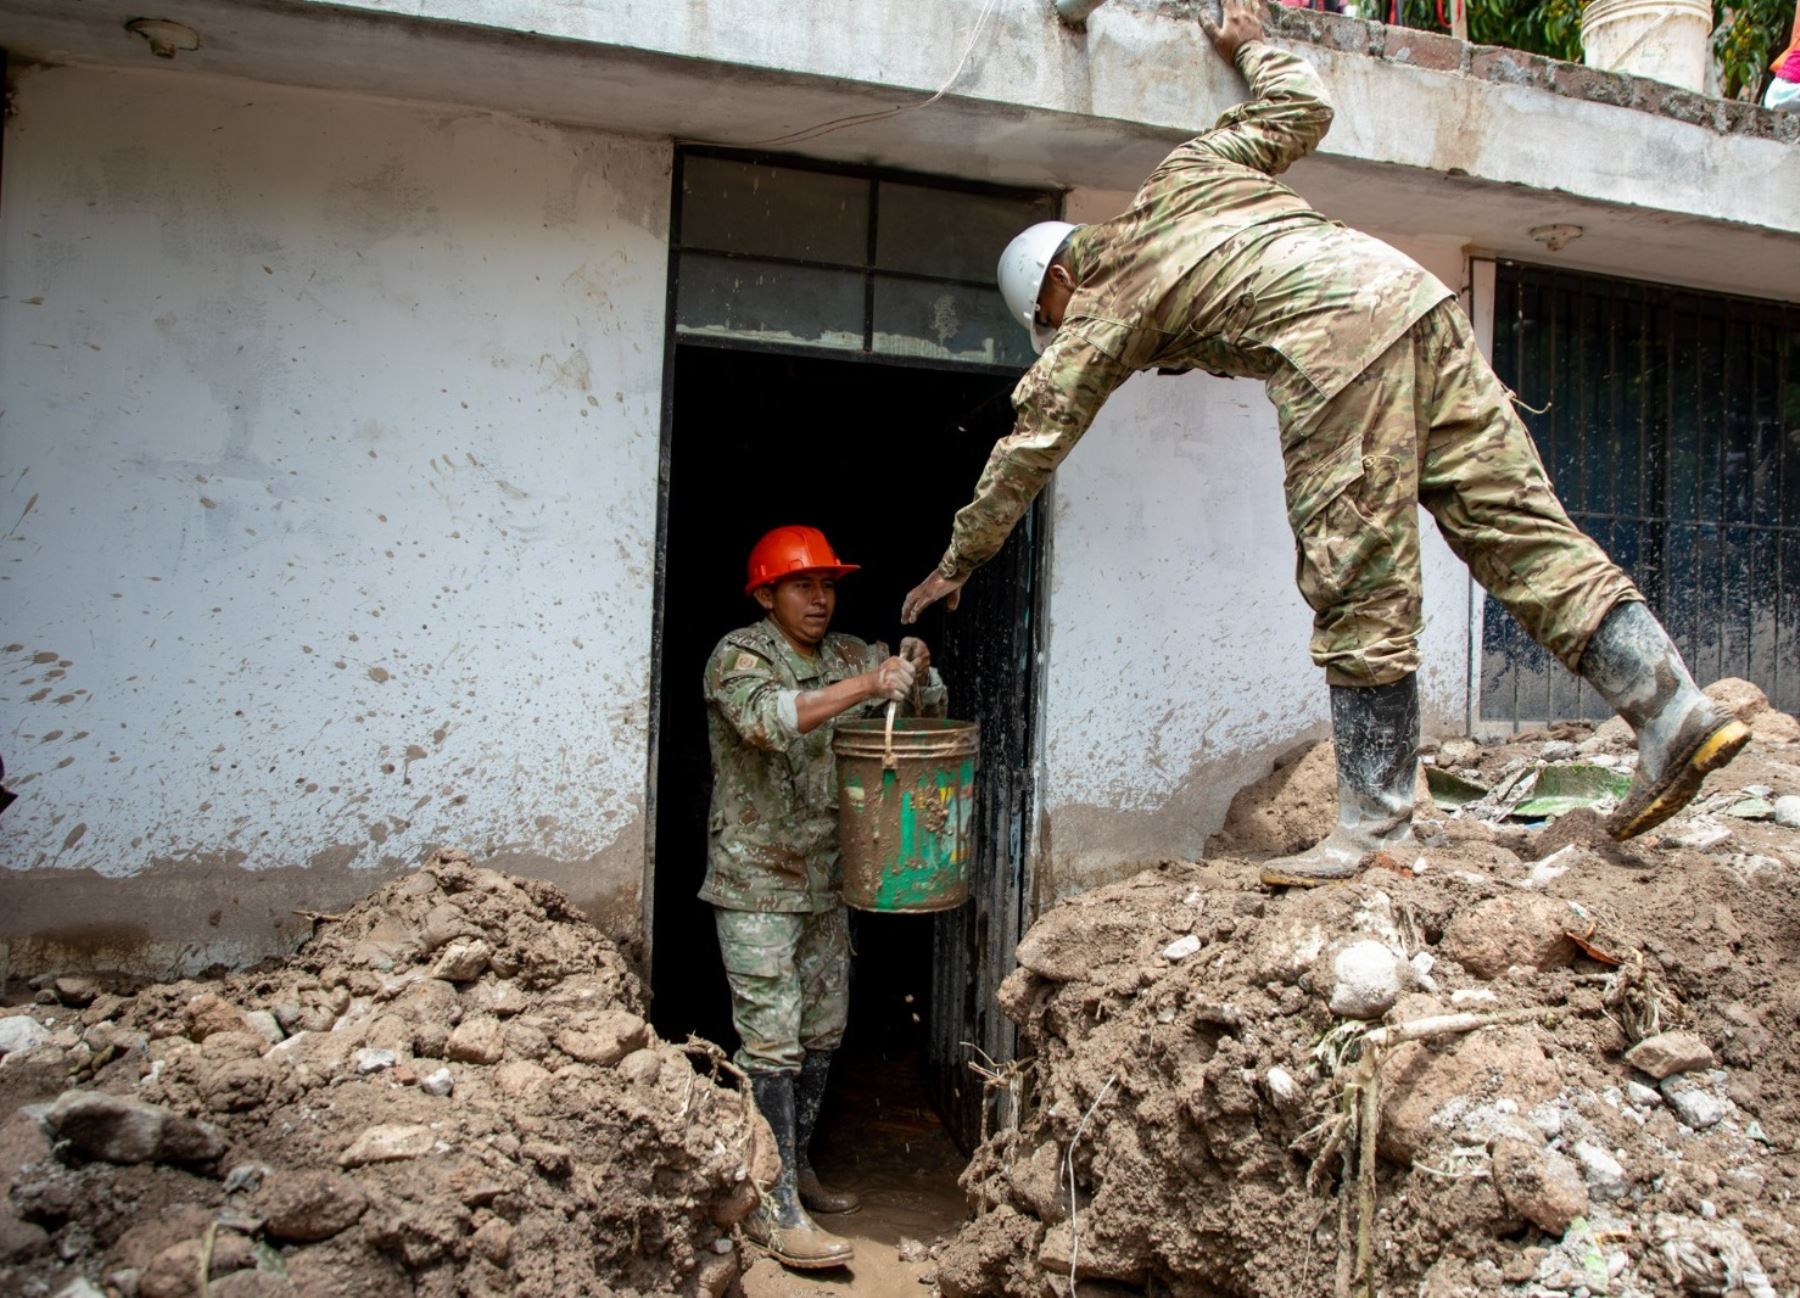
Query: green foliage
[[1549, 27], [1746, 38], [1747, 34]]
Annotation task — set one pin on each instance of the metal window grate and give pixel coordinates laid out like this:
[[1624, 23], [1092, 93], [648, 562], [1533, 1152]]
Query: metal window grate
[[1669, 421]]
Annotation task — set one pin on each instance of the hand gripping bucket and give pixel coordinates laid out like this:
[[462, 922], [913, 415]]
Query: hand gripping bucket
[[906, 812]]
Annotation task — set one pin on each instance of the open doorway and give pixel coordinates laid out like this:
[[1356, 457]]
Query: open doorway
[[879, 456]]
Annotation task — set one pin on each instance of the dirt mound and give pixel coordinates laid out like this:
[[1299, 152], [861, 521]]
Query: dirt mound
[[449, 1090], [1531, 1062]]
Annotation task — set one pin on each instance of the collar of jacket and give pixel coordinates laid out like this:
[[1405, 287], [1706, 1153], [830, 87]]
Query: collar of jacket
[[805, 667], [1082, 252]]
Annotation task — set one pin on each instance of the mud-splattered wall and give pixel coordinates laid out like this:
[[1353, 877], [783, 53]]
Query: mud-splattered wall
[[329, 478], [1177, 667]]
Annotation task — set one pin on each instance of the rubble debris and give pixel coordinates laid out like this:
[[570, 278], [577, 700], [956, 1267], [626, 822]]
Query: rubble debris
[[289, 1128], [1591, 1083]]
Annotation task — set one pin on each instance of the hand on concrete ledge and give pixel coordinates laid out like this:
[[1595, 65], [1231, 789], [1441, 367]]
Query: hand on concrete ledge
[[1241, 21]]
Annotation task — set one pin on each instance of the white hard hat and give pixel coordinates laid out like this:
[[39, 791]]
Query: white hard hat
[[1021, 274]]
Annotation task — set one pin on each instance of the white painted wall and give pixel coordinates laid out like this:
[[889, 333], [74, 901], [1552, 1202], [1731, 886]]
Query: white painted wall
[[1177, 664], [329, 455]]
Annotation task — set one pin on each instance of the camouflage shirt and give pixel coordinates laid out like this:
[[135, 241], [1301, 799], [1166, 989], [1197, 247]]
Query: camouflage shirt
[[773, 826], [1216, 266]]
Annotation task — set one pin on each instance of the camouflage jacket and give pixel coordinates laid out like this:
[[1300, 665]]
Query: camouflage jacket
[[1216, 266], [773, 827]]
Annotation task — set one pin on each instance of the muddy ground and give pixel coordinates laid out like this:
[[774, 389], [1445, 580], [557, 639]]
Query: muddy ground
[[451, 1089], [1604, 1099]]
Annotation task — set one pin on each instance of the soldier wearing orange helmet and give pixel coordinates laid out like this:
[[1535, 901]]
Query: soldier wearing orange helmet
[[775, 691]]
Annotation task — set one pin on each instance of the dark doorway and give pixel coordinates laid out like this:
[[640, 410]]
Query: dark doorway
[[1669, 421], [879, 456]]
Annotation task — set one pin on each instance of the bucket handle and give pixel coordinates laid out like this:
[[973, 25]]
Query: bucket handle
[[888, 762]]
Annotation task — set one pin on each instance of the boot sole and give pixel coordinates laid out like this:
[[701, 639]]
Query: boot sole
[[1682, 781], [816, 1210], [806, 1263]]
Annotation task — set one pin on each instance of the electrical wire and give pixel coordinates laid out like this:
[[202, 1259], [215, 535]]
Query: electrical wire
[[863, 119]]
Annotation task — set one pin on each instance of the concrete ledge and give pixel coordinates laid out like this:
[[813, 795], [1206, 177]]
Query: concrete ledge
[[1438, 53]]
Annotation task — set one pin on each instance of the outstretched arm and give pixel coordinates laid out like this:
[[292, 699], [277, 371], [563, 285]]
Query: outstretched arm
[[1288, 112]]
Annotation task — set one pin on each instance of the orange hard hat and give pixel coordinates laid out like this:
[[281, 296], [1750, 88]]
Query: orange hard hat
[[789, 550]]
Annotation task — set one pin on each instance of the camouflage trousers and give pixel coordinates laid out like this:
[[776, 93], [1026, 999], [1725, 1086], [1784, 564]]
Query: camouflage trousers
[[790, 983], [1438, 429]]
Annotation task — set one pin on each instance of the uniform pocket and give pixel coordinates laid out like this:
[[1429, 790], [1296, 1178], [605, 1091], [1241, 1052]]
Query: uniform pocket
[[755, 961], [1343, 544], [756, 944]]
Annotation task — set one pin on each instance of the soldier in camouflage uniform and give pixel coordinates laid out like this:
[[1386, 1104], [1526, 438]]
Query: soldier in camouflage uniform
[[775, 691], [1383, 403]]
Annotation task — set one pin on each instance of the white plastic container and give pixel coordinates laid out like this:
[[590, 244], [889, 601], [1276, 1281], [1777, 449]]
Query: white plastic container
[[1663, 39]]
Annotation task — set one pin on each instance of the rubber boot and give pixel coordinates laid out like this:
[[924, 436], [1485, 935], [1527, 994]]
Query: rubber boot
[[1375, 730], [809, 1098], [779, 1223], [1681, 734]]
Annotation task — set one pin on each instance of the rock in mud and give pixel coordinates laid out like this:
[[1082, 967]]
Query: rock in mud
[[1538, 1184], [1669, 1053], [389, 1142], [1368, 980], [119, 1129], [1496, 934], [1694, 1102], [208, 1014], [476, 1041], [603, 1039], [1787, 811], [463, 962], [308, 1206], [1605, 1174], [21, 1032]]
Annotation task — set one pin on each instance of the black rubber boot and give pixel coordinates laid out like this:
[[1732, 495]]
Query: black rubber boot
[[1375, 730], [779, 1223], [809, 1098], [1681, 734]]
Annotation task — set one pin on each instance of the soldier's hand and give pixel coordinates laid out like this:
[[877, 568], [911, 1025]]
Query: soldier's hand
[[893, 680], [929, 592], [914, 651], [1241, 21]]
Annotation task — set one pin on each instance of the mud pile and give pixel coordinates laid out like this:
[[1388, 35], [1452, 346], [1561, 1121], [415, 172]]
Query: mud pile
[[1529, 1062], [449, 1090]]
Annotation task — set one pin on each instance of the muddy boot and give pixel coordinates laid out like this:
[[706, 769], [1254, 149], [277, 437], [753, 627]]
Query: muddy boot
[[1681, 734], [779, 1223], [1376, 732], [809, 1098]]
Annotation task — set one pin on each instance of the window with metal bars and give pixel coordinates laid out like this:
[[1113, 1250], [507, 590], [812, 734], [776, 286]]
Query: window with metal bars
[[1669, 421]]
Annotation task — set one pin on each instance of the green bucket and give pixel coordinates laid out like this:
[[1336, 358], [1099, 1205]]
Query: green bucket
[[906, 812]]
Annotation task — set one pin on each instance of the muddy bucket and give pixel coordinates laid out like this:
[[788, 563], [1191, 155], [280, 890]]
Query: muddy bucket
[[906, 812]]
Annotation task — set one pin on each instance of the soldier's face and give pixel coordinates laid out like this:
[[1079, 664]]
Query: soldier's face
[[801, 606]]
